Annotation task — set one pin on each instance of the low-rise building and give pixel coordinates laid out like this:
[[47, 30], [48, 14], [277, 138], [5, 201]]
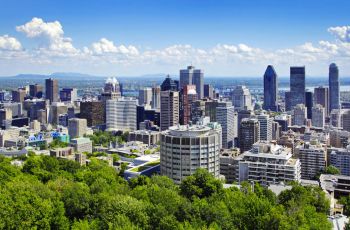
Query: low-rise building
[[82, 145], [146, 136]]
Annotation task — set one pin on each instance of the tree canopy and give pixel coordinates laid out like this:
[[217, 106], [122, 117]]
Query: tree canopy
[[50, 193]]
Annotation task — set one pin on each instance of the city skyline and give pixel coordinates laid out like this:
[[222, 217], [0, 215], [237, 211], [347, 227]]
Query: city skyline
[[148, 38]]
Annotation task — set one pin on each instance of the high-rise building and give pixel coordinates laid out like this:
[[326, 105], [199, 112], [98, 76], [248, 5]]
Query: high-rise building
[[51, 89], [155, 98], [179, 155], [309, 103], [225, 116], [265, 124], [68, 94], [93, 112], [287, 101], [241, 98], [36, 90], [192, 76], [56, 109], [318, 116], [145, 96], [121, 114], [77, 127], [189, 95], [321, 96], [208, 91], [18, 95], [111, 90], [2, 96], [299, 115], [169, 84], [334, 87], [340, 158], [297, 85], [313, 158], [267, 164], [5, 115], [270, 89], [169, 109], [346, 120], [249, 133], [339, 138]]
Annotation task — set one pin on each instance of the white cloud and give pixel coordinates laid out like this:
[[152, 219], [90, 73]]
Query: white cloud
[[341, 32], [52, 33], [9, 43], [104, 46]]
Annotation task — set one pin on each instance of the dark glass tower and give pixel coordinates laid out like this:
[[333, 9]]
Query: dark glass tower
[[297, 86], [309, 104], [270, 89], [334, 93], [169, 84]]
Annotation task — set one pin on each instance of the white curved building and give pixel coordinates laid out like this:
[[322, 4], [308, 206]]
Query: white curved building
[[121, 114], [186, 148]]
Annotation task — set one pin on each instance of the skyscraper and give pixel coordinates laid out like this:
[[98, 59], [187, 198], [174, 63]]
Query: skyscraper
[[121, 114], [225, 116], [93, 112], [36, 91], [318, 116], [189, 95], [249, 133], [77, 127], [169, 84], [299, 115], [309, 103], [241, 98], [169, 109], [297, 85], [69, 94], [145, 96], [192, 76], [321, 97], [270, 89], [155, 98], [334, 93], [265, 124], [51, 89], [208, 91]]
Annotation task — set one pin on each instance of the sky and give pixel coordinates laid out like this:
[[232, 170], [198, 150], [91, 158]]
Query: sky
[[133, 38]]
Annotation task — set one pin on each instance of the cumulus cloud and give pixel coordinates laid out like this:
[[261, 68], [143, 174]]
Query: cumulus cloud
[[341, 32], [104, 46], [9, 43], [53, 35]]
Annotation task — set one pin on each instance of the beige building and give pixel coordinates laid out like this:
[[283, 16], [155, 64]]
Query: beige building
[[77, 127], [169, 109]]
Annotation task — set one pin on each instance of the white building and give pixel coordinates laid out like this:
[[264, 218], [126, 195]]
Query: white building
[[121, 114], [77, 127], [82, 145], [267, 163], [241, 98], [225, 116], [265, 122], [313, 158], [318, 116], [186, 148], [299, 115]]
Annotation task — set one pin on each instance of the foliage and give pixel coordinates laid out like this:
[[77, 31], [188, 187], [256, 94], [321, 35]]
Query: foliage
[[332, 170], [50, 193], [56, 143]]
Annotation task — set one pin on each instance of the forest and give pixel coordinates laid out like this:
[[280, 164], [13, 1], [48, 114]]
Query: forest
[[50, 193]]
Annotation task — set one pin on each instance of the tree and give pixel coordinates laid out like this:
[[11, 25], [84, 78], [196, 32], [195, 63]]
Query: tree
[[332, 170], [200, 184]]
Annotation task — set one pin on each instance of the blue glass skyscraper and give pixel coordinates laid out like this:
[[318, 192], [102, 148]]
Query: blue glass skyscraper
[[334, 93], [297, 86], [270, 89]]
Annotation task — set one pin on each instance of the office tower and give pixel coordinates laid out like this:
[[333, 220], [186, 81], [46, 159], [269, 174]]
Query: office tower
[[339, 138], [225, 116], [198, 111], [169, 84], [265, 124], [267, 164], [346, 120], [241, 98], [32, 106], [334, 87], [287, 101], [284, 120], [18, 95], [42, 116], [178, 163], [208, 91], [321, 96], [77, 127], [313, 158], [68, 94], [5, 115], [56, 109], [93, 112], [318, 116], [340, 158], [155, 98], [270, 89], [121, 114], [297, 86], [111, 90], [192, 76], [276, 130], [169, 109], [2, 96], [51, 89], [189, 95], [309, 103], [145, 96], [36, 91], [335, 118], [299, 115], [249, 133]]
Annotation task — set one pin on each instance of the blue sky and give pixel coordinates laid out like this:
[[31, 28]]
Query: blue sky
[[231, 38]]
